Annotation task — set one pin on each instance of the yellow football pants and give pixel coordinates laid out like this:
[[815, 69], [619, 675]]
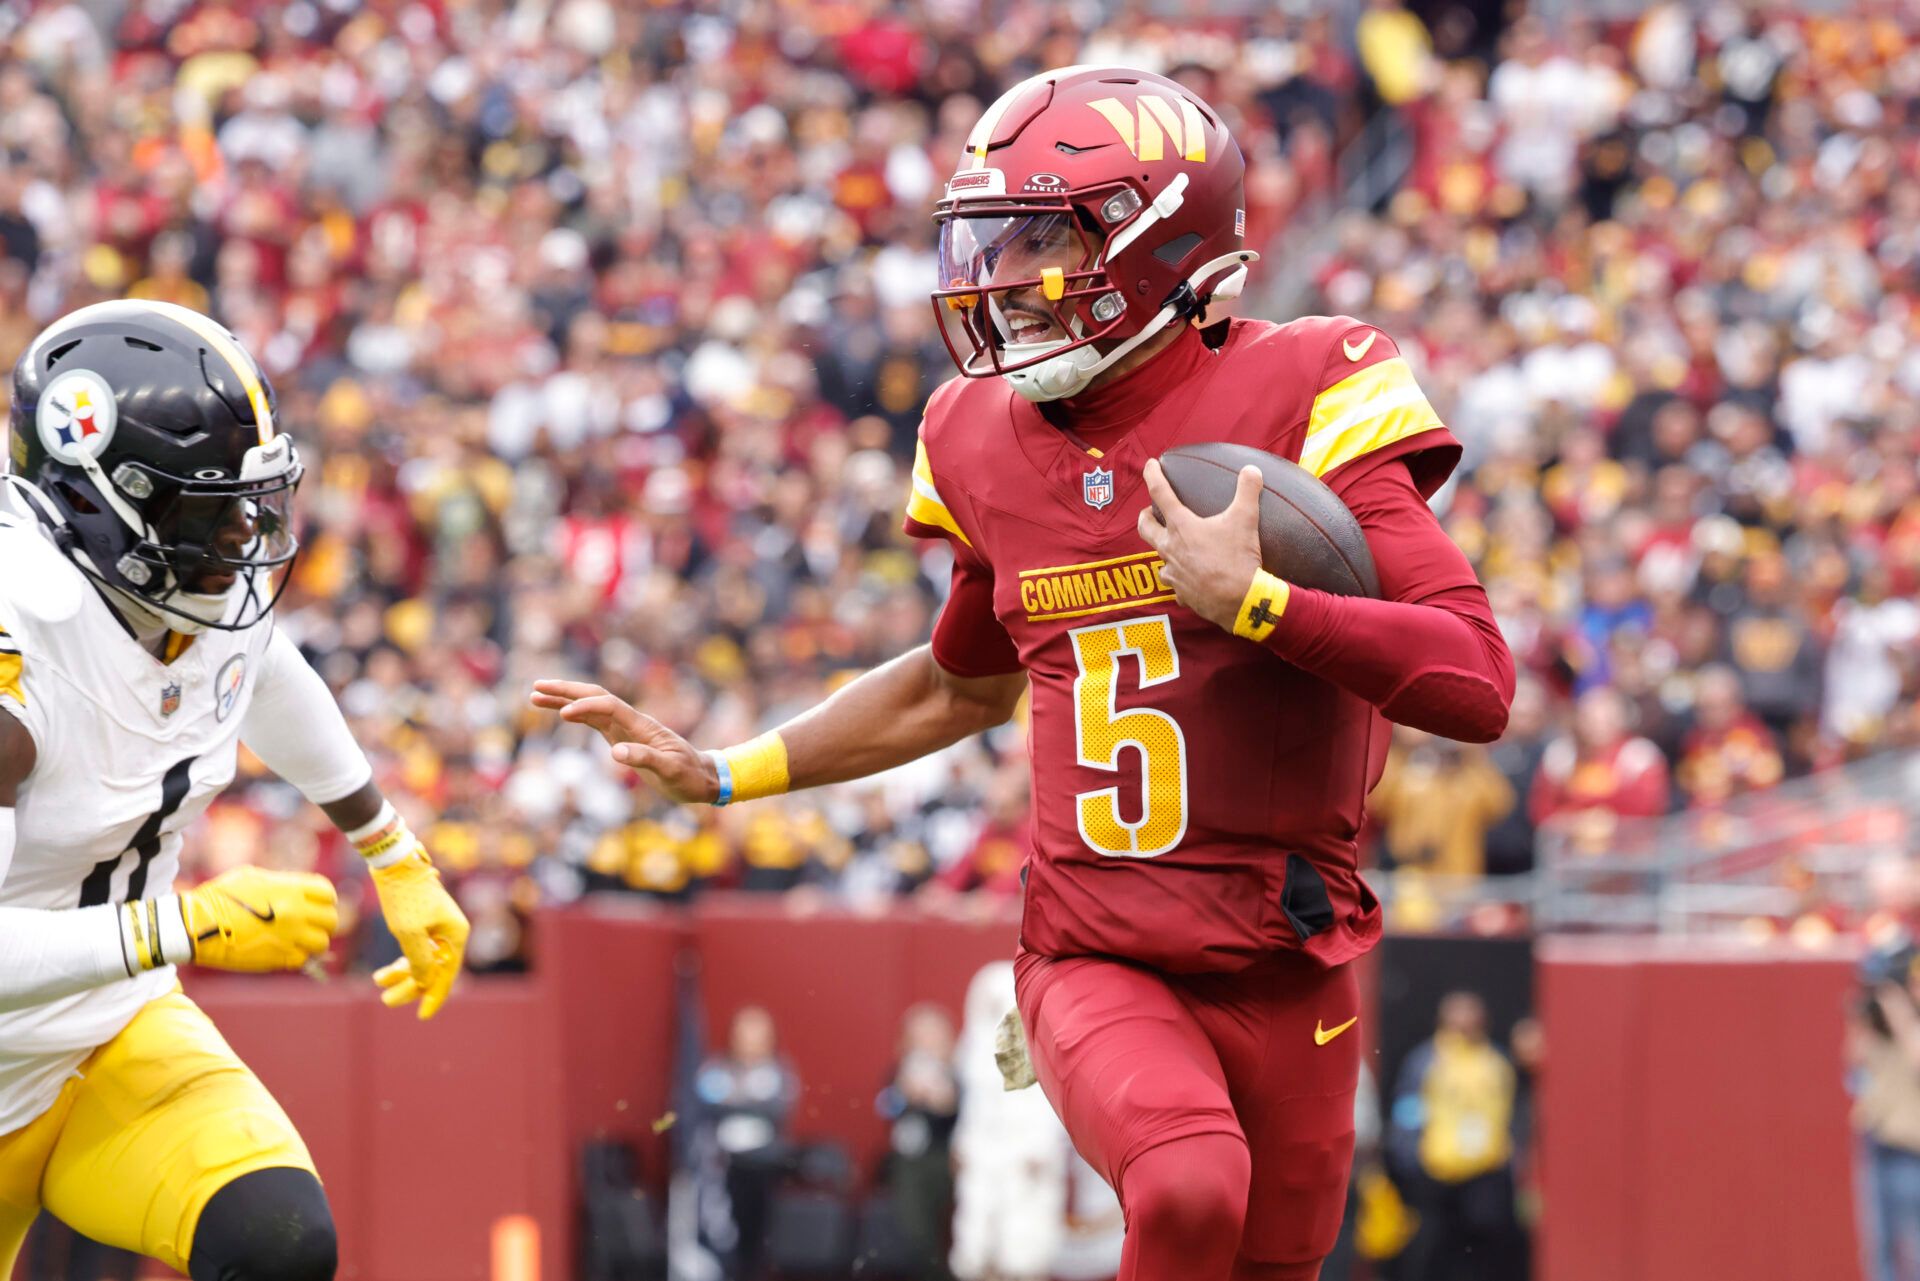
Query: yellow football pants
[[152, 1125]]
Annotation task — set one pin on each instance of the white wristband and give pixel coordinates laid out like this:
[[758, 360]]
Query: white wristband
[[386, 840], [153, 932]]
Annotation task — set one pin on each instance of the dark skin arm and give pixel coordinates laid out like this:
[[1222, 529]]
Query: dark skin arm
[[355, 810], [898, 712], [17, 758]]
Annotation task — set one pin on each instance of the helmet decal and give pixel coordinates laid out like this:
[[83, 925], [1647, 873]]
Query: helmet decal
[[1159, 123], [76, 416]]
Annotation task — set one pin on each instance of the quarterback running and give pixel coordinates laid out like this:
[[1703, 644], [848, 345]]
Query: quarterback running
[[144, 518], [1203, 734]]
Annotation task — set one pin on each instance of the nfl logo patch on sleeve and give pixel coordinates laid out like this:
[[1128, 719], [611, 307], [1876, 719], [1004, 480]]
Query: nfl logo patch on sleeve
[[1097, 487]]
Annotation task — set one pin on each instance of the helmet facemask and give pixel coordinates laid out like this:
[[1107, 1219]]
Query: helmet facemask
[[207, 548], [1026, 295]]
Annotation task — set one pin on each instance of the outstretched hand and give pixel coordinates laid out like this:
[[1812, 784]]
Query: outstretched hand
[[1210, 561], [637, 740]]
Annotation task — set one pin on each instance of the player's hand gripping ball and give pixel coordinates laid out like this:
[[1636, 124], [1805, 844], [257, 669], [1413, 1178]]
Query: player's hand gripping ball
[[1221, 511]]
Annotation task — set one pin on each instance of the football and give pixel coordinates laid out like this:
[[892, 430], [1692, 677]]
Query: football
[[1307, 535]]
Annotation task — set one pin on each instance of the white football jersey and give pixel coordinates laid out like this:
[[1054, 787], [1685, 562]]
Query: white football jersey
[[130, 751]]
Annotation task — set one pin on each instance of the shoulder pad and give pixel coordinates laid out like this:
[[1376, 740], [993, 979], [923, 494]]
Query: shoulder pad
[[39, 585]]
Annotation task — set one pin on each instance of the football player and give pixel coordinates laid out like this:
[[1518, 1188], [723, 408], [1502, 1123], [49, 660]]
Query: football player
[[143, 521], [1203, 734]]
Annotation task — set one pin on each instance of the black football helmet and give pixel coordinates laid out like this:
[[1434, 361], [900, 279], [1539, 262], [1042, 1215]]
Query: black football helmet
[[150, 431]]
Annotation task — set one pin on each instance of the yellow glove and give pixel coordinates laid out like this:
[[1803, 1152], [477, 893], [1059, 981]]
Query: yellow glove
[[253, 919], [430, 928]]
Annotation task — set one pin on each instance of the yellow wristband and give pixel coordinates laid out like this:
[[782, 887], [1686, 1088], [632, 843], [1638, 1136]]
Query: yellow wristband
[[1261, 607], [759, 767]]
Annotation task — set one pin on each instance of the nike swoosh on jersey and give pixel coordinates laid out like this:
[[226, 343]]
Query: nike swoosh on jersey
[[1321, 1034], [1355, 353]]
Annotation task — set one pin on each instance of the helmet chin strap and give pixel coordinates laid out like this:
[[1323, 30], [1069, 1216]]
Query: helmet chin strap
[[1070, 372], [188, 613]]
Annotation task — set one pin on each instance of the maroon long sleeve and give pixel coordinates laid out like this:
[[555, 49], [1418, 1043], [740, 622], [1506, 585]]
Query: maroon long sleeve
[[1429, 653]]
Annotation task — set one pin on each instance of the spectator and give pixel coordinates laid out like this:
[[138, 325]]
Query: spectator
[[1600, 773], [1396, 52], [1769, 643], [1517, 756], [994, 862], [747, 1095], [1010, 1153], [1453, 1117], [1436, 802], [922, 1103], [1883, 1045], [1728, 751], [1870, 661]]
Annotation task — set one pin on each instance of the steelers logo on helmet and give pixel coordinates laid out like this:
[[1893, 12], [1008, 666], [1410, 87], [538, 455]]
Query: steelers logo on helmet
[[76, 416]]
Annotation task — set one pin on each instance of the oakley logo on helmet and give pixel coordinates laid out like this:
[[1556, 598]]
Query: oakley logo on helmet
[[1046, 182], [77, 415], [1153, 123]]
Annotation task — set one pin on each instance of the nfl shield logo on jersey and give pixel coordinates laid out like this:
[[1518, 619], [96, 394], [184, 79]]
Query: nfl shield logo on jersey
[[1097, 487], [169, 698]]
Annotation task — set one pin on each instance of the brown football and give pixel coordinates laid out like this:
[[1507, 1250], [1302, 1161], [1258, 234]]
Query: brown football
[[1307, 535]]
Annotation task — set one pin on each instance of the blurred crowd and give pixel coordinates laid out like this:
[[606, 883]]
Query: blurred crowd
[[603, 331], [1661, 281]]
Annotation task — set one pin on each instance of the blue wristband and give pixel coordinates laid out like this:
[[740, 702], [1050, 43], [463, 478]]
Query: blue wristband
[[726, 778]]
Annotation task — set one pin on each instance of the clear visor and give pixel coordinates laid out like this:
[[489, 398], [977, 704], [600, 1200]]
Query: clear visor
[[237, 531], [1005, 251], [1012, 286]]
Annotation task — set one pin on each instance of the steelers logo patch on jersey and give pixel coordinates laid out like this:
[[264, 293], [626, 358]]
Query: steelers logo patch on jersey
[[76, 416], [227, 686]]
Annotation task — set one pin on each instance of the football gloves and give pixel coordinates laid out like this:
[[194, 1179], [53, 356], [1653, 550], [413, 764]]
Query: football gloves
[[255, 920], [431, 931]]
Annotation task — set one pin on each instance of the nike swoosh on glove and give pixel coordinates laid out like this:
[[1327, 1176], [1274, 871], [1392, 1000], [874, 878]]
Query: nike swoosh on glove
[[256, 920], [430, 928]]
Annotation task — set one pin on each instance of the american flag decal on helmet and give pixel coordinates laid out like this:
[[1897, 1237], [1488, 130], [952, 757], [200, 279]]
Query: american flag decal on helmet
[[1239, 222]]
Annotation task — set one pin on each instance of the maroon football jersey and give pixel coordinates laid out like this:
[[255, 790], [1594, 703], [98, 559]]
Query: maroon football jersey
[[1195, 797]]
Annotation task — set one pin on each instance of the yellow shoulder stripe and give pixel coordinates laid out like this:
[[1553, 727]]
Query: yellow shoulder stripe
[[924, 503], [1368, 410], [10, 687]]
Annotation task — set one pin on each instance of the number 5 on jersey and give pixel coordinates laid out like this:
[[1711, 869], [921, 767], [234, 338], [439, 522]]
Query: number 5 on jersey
[[1101, 730]]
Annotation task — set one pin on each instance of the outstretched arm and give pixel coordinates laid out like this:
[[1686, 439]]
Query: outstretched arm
[[898, 712], [1429, 654]]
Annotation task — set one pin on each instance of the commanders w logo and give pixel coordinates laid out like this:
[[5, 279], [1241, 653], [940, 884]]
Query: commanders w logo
[[1158, 122]]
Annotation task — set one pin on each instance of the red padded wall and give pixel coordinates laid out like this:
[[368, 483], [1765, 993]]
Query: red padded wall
[[426, 1134], [1693, 1117]]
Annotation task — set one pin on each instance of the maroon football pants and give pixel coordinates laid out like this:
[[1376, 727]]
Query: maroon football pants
[[1219, 1106]]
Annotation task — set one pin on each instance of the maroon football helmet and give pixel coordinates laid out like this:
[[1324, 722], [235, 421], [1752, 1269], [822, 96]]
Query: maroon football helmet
[[1093, 207]]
